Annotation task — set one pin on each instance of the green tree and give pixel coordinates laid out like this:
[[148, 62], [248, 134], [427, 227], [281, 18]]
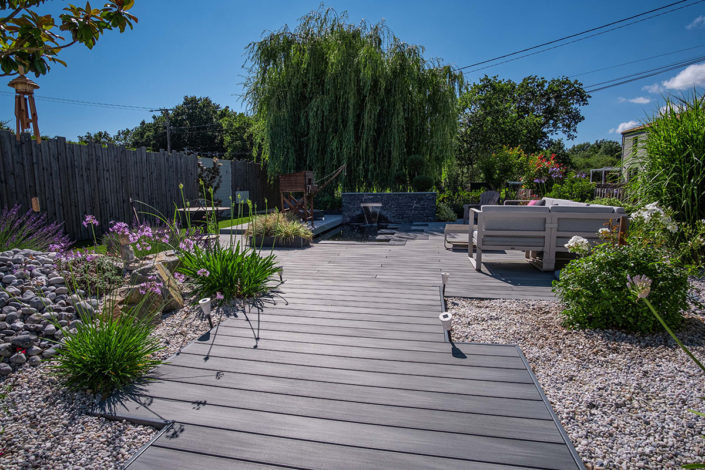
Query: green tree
[[496, 113], [599, 154], [100, 137], [330, 93], [30, 41], [198, 125]]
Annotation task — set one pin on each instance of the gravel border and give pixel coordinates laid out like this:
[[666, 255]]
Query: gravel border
[[622, 398]]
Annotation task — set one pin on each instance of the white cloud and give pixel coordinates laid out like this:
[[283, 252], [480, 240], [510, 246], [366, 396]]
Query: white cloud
[[698, 22], [655, 88], [671, 106], [623, 126], [692, 76], [637, 100]]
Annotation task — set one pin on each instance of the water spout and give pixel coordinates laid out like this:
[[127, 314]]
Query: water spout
[[371, 210]]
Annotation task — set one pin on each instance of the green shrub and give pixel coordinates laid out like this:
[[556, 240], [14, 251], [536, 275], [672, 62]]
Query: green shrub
[[673, 170], [594, 289], [94, 274], [574, 188], [422, 183], [457, 199], [233, 272], [506, 164], [278, 225], [107, 353], [444, 213]]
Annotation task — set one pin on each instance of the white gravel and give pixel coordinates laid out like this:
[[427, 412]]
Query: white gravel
[[622, 398]]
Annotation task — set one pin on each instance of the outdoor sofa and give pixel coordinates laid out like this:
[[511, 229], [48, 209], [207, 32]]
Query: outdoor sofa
[[541, 230]]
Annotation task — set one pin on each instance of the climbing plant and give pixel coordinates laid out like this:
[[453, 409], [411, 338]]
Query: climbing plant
[[330, 93]]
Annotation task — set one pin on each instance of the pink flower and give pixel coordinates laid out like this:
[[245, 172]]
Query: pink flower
[[219, 296], [186, 244], [120, 227], [179, 277], [91, 257], [90, 220], [203, 272]]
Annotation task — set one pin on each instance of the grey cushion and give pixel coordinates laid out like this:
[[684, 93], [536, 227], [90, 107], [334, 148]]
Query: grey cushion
[[506, 242], [515, 218], [552, 201], [583, 209]]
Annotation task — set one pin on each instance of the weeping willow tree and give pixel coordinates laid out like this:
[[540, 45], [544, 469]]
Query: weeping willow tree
[[331, 93]]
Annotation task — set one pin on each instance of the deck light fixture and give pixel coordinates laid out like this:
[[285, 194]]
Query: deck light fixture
[[447, 322], [205, 305], [444, 280]]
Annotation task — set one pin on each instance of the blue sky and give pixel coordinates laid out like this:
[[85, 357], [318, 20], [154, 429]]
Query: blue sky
[[183, 47]]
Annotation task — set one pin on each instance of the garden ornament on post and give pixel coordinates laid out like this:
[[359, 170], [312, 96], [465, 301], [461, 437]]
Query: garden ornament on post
[[25, 110]]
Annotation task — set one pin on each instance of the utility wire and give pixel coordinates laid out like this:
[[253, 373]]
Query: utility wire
[[87, 103], [639, 76], [598, 33], [663, 68], [636, 61]]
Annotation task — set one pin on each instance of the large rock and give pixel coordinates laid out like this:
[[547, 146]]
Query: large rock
[[149, 304]]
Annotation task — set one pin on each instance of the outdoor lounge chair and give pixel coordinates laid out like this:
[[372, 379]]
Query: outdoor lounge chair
[[488, 198]]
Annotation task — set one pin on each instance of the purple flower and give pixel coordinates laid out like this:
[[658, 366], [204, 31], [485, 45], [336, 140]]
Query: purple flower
[[581, 175], [90, 220], [120, 228], [219, 296], [91, 257], [203, 272], [186, 244], [179, 277], [151, 286], [540, 180]]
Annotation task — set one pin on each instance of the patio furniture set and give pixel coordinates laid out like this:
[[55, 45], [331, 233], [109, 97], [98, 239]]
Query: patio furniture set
[[540, 230]]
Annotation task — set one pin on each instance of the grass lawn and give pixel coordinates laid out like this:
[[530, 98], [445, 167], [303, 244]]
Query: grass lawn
[[231, 222]]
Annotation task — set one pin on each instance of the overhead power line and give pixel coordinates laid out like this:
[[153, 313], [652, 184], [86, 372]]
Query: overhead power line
[[88, 103], [644, 59], [595, 30], [640, 75]]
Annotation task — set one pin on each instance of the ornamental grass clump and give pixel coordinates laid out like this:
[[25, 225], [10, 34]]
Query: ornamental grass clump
[[595, 295], [30, 231], [231, 272], [279, 226], [108, 353]]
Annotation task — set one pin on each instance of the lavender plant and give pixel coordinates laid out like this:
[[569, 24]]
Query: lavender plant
[[30, 231]]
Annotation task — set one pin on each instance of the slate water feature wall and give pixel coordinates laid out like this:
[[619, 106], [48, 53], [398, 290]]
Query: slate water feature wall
[[396, 207]]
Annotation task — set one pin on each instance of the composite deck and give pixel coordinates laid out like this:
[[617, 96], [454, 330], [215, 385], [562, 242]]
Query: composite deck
[[351, 372]]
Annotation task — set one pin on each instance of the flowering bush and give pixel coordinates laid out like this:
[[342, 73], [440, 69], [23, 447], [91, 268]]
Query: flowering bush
[[541, 173], [30, 231], [654, 226], [578, 245], [595, 294]]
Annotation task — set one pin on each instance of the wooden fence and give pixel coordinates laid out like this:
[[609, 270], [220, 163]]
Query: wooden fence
[[248, 176], [73, 180]]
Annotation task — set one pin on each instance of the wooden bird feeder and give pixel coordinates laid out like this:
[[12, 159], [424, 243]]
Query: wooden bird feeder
[[25, 109]]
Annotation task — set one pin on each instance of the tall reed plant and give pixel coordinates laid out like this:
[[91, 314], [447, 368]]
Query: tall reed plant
[[673, 169]]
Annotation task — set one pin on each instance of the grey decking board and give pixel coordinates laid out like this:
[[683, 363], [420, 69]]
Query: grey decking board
[[402, 345], [380, 323], [526, 391], [176, 459], [439, 400], [425, 369], [354, 412], [305, 454], [427, 357]]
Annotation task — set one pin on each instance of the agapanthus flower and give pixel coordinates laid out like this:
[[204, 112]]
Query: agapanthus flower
[[179, 277], [540, 180], [90, 220], [203, 272], [120, 228], [640, 285], [186, 244]]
